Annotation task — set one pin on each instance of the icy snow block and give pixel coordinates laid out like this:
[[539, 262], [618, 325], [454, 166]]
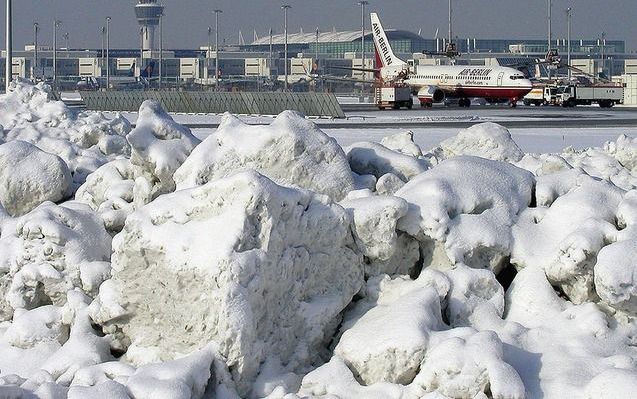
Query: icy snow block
[[624, 149], [29, 177], [388, 343], [159, 144], [616, 275], [48, 252], [378, 160], [84, 140], [469, 204], [115, 190], [485, 140], [468, 367], [290, 151], [565, 238], [260, 269], [375, 220], [403, 143]]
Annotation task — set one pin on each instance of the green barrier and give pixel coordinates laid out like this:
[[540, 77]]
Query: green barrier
[[246, 103]]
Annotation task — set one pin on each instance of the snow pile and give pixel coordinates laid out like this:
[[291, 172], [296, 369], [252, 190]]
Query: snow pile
[[375, 159], [49, 251], [84, 140], [159, 145], [291, 151], [412, 347], [469, 205], [624, 150], [507, 276], [115, 190], [261, 270], [486, 140], [403, 143], [564, 236], [385, 249], [30, 177]]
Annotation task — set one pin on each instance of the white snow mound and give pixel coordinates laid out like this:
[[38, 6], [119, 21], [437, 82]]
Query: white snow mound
[[290, 151], [486, 140], [30, 177], [260, 269]]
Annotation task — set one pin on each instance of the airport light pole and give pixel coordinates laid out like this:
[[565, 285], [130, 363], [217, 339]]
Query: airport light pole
[[56, 25], [36, 28], [103, 34], [363, 3], [9, 60], [217, 12], [209, 52], [108, 51], [161, 46], [569, 15], [450, 23], [550, 36], [285, 9], [270, 67], [141, 50], [603, 45]]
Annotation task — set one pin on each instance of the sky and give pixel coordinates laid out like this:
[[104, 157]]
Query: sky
[[187, 21]]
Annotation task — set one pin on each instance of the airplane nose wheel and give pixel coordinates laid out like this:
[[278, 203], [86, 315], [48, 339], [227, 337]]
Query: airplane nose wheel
[[513, 103], [464, 103]]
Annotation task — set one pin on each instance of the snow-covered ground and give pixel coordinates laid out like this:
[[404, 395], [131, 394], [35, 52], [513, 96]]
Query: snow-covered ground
[[275, 261]]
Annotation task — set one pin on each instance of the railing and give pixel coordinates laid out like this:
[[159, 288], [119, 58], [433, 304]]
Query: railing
[[248, 103]]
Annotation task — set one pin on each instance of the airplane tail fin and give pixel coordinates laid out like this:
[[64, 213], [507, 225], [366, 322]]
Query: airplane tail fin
[[381, 42]]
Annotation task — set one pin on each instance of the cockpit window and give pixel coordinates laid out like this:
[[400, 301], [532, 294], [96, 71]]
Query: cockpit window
[[515, 77]]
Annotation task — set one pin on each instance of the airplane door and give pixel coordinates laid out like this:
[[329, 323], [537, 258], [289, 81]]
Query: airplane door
[[444, 79], [500, 77]]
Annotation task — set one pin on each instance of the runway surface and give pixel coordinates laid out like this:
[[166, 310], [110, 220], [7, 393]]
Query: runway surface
[[521, 117]]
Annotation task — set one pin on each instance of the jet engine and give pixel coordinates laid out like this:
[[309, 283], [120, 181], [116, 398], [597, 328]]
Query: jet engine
[[431, 94]]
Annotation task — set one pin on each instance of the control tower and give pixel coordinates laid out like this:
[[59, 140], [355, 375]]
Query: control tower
[[148, 13]]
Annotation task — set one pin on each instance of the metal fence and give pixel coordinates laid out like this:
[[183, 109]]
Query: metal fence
[[249, 103]]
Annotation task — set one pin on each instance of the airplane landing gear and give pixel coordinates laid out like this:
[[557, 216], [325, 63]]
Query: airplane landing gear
[[513, 103], [464, 103]]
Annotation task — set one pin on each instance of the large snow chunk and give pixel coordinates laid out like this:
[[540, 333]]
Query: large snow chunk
[[389, 342], [616, 275], [48, 252], [612, 383], [260, 269], [469, 204], [375, 220], [291, 151], [403, 143], [485, 140], [378, 160], [565, 238], [184, 378], [624, 149], [466, 366], [159, 144], [599, 163], [84, 140], [30, 176], [115, 190]]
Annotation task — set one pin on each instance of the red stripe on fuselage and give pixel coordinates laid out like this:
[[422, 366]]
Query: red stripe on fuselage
[[491, 92]]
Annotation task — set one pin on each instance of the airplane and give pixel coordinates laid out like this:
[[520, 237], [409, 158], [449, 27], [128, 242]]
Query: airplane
[[433, 84]]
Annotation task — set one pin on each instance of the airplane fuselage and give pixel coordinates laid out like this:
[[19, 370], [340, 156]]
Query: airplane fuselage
[[471, 81]]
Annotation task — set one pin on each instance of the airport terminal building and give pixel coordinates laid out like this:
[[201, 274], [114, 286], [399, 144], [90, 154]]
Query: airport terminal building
[[309, 52]]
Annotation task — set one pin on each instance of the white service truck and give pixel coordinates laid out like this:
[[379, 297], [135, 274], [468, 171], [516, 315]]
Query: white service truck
[[394, 97], [569, 96], [606, 96]]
